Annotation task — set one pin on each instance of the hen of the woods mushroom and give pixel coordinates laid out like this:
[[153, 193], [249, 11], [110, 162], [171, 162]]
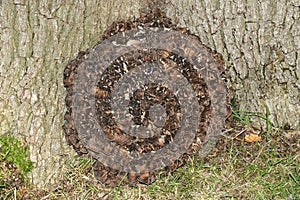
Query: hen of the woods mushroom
[[147, 96]]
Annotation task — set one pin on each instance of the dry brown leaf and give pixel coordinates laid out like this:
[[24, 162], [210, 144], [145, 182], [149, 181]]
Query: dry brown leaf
[[252, 137], [291, 134], [294, 132]]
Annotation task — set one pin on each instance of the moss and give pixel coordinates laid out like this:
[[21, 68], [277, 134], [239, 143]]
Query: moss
[[14, 151]]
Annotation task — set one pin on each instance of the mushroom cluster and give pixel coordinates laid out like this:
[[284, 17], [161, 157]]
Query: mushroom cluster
[[153, 104]]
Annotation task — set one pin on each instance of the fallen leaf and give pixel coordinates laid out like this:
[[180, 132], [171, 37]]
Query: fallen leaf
[[294, 132], [291, 134], [252, 137]]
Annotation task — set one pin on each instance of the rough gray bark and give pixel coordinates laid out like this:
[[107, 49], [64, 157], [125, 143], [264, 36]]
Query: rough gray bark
[[260, 42], [38, 39]]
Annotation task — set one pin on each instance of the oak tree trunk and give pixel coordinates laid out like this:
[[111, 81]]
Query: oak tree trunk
[[259, 40]]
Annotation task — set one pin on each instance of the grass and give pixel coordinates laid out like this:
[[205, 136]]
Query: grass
[[14, 165], [237, 172], [13, 151], [245, 117], [235, 169]]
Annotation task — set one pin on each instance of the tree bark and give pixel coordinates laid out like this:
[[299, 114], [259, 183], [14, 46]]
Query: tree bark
[[260, 43], [259, 40]]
